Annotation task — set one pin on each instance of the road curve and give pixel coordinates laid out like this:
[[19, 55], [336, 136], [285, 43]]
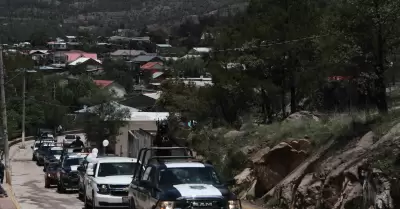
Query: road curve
[[28, 183]]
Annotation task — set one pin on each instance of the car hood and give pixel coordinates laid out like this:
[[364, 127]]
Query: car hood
[[119, 180], [194, 191]]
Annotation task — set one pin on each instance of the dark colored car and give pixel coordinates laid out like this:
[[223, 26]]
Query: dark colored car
[[50, 175], [43, 151], [52, 156], [68, 173]]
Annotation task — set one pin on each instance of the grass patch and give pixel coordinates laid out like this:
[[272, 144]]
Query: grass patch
[[383, 124], [317, 131]]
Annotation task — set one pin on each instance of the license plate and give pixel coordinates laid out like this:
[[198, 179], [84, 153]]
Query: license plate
[[124, 199]]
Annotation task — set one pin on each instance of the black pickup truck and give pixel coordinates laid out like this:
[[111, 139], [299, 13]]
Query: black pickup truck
[[178, 182]]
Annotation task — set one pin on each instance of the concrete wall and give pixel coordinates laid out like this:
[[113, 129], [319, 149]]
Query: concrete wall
[[121, 146]]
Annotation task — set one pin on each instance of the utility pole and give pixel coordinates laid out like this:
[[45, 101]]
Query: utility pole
[[4, 116], [22, 146]]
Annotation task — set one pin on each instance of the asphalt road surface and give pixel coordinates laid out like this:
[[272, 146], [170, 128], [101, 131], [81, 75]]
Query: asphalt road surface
[[28, 183]]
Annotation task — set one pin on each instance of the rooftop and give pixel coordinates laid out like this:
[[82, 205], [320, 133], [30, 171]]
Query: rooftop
[[103, 83], [115, 159]]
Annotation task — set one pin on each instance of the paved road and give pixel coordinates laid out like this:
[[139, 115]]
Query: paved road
[[28, 183]]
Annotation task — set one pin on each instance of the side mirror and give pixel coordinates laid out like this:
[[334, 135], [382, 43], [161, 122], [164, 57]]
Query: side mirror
[[44, 170], [230, 182], [31, 147]]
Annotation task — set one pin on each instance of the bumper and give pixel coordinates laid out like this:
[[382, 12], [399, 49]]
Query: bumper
[[110, 201], [51, 180], [70, 183]]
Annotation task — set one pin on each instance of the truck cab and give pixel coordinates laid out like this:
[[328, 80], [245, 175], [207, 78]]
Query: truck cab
[[178, 182], [107, 180]]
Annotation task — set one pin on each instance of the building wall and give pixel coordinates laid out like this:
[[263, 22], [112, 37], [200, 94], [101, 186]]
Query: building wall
[[121, 146]]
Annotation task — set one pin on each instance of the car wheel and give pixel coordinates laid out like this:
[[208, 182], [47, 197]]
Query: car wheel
[[60, 188], [131, 203], [46, 183]]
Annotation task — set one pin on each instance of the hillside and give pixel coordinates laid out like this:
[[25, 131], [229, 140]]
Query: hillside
[[102, 15]]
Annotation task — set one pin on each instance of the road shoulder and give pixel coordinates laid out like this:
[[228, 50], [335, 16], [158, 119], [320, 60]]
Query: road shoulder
[[9, 202]]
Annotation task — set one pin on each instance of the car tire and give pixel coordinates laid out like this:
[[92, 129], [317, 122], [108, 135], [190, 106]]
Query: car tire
[[60, 188], [46, 183], [131, 204]]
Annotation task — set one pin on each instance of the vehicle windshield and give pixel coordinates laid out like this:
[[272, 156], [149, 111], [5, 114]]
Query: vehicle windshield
[[116, 169], [45, 147], [195, 175], [72, 161], [55, 152]]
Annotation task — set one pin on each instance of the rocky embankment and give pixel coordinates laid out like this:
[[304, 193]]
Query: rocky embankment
[[343, 173]]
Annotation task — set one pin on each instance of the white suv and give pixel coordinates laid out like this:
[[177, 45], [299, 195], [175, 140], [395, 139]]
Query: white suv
[[107, 180]]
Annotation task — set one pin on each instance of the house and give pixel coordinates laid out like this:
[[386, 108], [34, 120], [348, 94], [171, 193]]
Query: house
[[172, 51], [200, 82], [126, 54], [116, 105], [144, 102], [75, 54], [114, 88], [137, 121], [72, 39], [143, 59], [199, 51], [162, 46], [57, 45], [89, 64], [38, 54], [152, 67]]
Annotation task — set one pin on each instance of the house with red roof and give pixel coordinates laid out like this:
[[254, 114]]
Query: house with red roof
[[153, 67], [113, 87]]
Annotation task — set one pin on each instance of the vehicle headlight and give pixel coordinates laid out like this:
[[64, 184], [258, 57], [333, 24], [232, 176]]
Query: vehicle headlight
[[234, 204], [103, 188], [165, 205]]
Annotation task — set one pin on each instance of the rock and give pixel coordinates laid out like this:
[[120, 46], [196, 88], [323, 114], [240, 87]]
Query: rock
[[244, 176], [258, 156], [234, 134], [272, 165], [247, 149], [301, 116]]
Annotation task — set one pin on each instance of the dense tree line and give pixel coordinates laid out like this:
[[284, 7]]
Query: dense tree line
[[280, 57]]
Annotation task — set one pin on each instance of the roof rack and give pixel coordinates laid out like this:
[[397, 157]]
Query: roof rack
[[188, 154]]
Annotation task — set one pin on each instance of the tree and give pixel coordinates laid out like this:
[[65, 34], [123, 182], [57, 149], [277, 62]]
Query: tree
[[104, 121], [367, 32], [189, 67]]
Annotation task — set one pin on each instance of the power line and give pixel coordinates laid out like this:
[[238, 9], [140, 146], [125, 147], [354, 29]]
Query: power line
[[274, 43]]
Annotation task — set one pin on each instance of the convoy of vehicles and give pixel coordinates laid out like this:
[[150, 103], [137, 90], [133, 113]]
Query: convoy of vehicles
[[160, 178]]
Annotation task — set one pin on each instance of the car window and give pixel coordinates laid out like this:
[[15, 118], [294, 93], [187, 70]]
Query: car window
[[55, 152], [146, 174], [189, 175], [116, 169]]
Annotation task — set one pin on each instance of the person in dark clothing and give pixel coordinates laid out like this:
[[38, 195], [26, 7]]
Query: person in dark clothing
[[77, 143], [2, 168]]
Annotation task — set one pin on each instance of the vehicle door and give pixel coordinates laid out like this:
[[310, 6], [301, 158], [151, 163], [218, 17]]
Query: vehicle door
[[141, 192], [89, 179], [82, 174]]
